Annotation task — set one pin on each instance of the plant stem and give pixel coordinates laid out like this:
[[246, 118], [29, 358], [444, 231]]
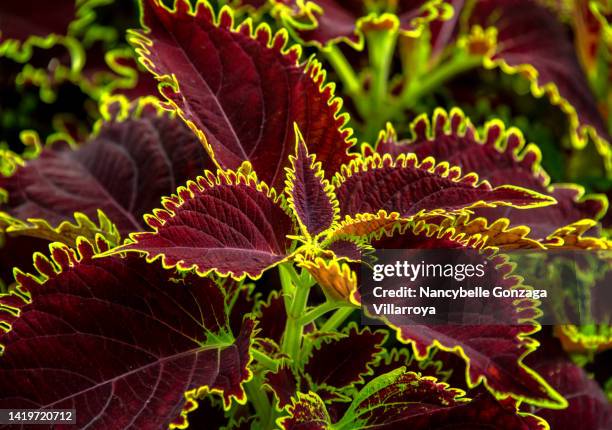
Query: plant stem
[[319, 311], [429, 82], [343, 68], [381, 44], [337, 319], [285, 273], [258, 399], [264, 360], [293, 329]]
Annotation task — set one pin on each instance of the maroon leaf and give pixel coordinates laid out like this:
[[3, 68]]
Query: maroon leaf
[[404, 185], [393, 359], [537, 46], [588, 406], [401, 400], [347, 248], [344, 361], [231, 224], [311, 196], [284, 384], [501, 157], [272, 317], [123, 170], [24, 19], [241, 89], [120, 356], [307, 413], [324, 22], [493, 352]]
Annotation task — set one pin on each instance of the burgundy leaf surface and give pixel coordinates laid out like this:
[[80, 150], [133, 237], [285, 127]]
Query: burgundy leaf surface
[[20, 20], [343, 361], [588, 406], [345, 248], [405, 185], [537, 45], [310, 195], [499, 156], [231, 224], [307, 413], [493, 352], [401, 400], [242, 89], [116, 340], [272, 318], [124, 170], [283, 383]]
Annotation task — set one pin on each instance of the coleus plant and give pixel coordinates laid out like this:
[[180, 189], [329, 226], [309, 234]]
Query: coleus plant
[[198, 267]]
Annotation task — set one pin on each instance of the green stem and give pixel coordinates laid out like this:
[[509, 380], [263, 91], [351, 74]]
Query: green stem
[[293, 329], [319, 311], [258, 399], [337, 319], [429, 82], [350, 81], [264, 360], [285, 273], [343, 68], [381, 45]]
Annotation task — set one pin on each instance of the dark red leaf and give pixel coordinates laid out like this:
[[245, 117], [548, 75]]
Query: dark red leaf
[[345, 248], [284, 384], [24, 19], [588, 406], [272, 318], [537, 46], [405, 185], [493, 352], [231, 224], [501, 157], [311, 196], [344, 361], [324, 22], [117, 340], [308, 412], [124, 170], [402, 400], [242, 89]]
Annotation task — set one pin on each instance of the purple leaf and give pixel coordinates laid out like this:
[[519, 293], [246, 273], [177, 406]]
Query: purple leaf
[[231, 224], [311, 196], [117, 340], [241, 89]]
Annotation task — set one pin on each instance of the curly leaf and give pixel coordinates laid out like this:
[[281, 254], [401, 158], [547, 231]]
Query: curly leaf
[[272, 318], [284, 384], [311, 196], [307, 412], [588, 406], [404, 185], [241, 89], [493, 353], [138, 155], [344, 361], [66, 233], [326, 22], [400, 399], [121, 356], [499, 156], [536, 46], [231, 224], [28, 24]]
